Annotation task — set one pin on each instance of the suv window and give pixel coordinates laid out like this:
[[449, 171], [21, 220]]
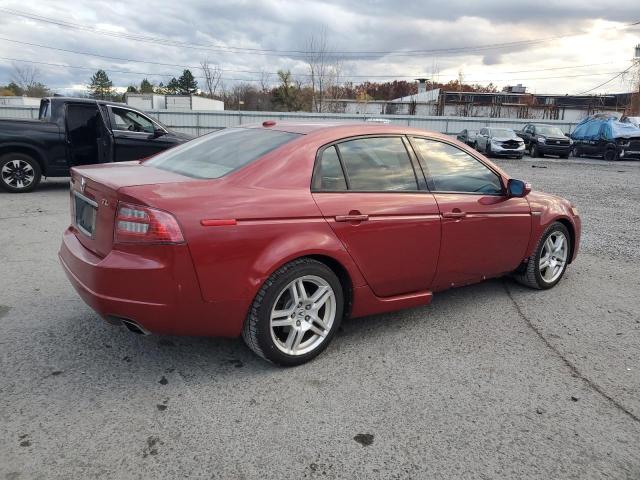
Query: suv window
[[377, 164], [329, 175], [219, 153], [131, 121], [453, 170]]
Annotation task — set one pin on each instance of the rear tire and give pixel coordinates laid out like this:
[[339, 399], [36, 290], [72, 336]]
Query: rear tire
[[287, 324], [19, 173], [549, 261]]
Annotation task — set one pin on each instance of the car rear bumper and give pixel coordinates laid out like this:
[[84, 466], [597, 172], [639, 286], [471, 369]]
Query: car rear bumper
[[157, 291]]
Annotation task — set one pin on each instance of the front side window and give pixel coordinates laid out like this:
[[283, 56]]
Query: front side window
[[453, 170], [593, 129], [377, 164], [131, 121], [219, 153]]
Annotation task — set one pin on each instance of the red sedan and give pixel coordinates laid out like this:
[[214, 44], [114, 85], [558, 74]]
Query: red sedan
[[277, 232]]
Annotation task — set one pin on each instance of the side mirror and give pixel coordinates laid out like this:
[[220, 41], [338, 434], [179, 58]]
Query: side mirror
[[518, 188], [158, 132]]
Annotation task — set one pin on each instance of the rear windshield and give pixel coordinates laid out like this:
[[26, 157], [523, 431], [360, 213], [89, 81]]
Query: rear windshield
[[219, 153]]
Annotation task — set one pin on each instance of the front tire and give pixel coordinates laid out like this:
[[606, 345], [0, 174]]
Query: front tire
[[550, 259], [535, 152], [611, 154], [19, 173], [295, 314]]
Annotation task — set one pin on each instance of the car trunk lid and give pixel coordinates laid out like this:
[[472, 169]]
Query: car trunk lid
[[94, 198]]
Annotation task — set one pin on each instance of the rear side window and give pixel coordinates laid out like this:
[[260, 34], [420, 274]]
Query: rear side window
[[453, 170], [377, 164], [329, 175], [219, 153]]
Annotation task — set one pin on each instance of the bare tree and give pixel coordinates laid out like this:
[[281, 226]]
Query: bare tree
[[325, 69], [27, 78], [265, 82], [212, 77]]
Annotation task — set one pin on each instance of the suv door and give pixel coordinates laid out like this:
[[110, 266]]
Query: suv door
[[369, 193], [484, 232], [134, 135]]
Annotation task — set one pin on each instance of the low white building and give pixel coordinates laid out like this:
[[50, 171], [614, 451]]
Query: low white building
[[20, 101], [153, 101]]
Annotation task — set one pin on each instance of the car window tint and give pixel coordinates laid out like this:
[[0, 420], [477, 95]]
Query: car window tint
[[328, 175], [453, 170], [131, 121], [377, 164], [221, 152]]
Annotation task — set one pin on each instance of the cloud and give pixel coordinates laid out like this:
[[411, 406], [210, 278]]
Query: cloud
[[351, 25]]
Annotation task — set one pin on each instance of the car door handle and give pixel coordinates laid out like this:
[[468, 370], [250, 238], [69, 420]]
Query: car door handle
[[352, 218], [454, 214]]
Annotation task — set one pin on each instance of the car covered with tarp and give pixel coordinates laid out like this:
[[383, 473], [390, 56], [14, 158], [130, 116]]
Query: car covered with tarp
[[604, 135]]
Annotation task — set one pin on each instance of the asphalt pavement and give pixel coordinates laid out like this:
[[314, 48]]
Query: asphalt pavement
[[490, 381]]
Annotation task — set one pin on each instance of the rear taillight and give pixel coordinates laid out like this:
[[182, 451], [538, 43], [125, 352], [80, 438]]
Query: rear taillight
[[139, 224]]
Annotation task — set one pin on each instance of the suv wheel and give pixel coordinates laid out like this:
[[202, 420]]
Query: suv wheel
[[19, 173], [610, 154], [295, 314], [534, 151]]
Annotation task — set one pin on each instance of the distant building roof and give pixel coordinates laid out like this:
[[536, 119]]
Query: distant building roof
[[422, 97]]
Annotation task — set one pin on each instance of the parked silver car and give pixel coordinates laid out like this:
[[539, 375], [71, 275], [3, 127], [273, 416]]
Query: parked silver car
[[499, 141], [468, 137]]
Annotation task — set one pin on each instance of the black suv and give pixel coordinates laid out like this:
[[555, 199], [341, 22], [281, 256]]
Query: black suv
[[541, 139]]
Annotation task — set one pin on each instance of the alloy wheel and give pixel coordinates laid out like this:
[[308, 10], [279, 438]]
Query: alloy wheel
[[553, 257], [302, 315], [18, 174]]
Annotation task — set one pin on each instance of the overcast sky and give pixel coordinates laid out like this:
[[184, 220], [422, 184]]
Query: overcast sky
[[250, 36]]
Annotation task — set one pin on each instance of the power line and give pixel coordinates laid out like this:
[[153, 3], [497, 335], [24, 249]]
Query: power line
[[198, 67], [151, 74], [290, 53], [608, 81]]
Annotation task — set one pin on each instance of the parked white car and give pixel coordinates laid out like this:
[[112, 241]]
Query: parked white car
[[499, 142]]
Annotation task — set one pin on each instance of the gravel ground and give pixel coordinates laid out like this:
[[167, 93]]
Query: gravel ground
[[490, 381]]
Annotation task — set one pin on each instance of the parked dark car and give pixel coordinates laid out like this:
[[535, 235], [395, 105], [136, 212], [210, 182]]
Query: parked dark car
[[603, 135], [468, 137], [71, 132], [541, 140], [499, 142]]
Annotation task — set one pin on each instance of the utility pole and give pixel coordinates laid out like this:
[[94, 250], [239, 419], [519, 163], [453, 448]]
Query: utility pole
[[634, 101]]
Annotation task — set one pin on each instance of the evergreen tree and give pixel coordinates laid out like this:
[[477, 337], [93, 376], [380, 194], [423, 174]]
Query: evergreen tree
[[146, 86], [101, 87], [173, 87], [187, 84], [132, 89]]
